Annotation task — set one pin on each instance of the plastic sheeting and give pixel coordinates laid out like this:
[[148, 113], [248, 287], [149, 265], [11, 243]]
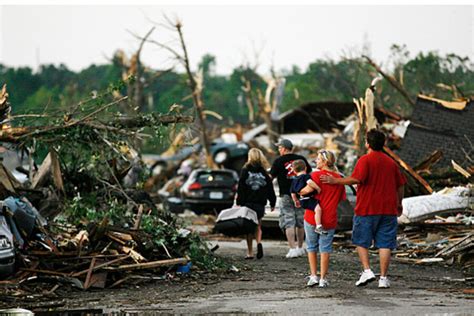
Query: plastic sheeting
[[422, 207]]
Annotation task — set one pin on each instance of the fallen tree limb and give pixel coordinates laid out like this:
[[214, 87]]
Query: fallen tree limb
[[150, 119], [13, 135], [391, 80], [148, 265]]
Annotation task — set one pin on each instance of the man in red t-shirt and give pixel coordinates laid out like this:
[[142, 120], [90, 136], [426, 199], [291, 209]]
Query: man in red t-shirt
[[379, 202]]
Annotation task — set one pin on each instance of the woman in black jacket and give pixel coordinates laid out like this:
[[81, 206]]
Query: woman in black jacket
[[255, 188]]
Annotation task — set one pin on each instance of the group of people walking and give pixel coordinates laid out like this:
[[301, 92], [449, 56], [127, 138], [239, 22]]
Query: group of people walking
[[309, 200]]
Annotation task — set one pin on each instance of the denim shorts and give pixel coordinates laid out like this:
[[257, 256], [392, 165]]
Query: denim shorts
[[381, 229], [318, 242], [290, 216]]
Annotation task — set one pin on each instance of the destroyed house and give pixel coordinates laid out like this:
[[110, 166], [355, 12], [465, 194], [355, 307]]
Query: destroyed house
[[314, 118], [318, 117], [439, 125]]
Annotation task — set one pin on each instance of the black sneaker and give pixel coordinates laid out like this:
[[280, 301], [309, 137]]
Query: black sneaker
[[259, 251]]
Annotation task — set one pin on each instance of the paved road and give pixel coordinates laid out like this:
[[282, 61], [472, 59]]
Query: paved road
[[275, 285]]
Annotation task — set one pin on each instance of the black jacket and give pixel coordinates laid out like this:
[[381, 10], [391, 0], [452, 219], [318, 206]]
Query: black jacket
[[255, 187]]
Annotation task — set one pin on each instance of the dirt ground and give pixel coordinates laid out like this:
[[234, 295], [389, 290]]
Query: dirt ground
[[273, 285]]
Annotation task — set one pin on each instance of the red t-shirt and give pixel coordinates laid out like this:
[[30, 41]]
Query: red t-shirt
[[379, 178], [328, 200]]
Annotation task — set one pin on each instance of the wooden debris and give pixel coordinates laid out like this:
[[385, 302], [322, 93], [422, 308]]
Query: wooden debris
[[7, 181], [89, 273], [56, 171], [138, 221], [149, 265], [460, 169], [44, 170], [456, 105], [459, 246], [409, 169], [100, 266], [426, 164]]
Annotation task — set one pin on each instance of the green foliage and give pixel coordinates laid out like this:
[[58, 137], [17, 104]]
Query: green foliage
[[164, 230], [324, 79], [85, 209]]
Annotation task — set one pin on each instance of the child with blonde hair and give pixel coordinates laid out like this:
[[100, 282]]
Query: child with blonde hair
[[306, 201]]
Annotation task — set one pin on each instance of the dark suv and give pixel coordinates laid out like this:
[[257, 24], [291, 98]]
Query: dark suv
[[209, 191]]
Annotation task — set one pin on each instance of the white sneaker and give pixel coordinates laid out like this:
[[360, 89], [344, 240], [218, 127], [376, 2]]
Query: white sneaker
[[301, 252], [384, 283], [365, 278], [323, 283], [292, 253], [313, 280]]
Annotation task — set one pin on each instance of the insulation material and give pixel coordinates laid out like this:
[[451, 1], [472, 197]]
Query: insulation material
[[422, 207]]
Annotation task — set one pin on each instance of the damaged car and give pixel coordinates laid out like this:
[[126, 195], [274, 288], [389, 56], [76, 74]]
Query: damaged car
[[204, 191]]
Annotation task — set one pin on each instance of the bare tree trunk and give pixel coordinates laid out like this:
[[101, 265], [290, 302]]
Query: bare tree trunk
[[138, 97], [265, 111], [247, 88], [197, 98]]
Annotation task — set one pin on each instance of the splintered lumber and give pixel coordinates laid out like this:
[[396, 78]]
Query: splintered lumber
[[43, 171], [49, 167], [459, 246], [56, 171], [137, 257], [409, 169], [89, 274], [460, 169], [100, 266], [7, 180], [148, 265], [429, 161], [456, 105]]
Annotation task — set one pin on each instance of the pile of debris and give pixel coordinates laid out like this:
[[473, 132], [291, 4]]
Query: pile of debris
[[99, 256], [431, 243], [72, 221]]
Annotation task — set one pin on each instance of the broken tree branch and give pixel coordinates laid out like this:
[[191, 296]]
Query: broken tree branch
[[391, 80]]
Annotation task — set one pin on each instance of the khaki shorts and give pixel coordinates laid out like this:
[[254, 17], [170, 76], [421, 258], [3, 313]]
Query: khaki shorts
[[290, 216]]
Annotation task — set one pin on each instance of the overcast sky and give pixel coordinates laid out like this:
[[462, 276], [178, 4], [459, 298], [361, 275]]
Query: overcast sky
[[79, 36]]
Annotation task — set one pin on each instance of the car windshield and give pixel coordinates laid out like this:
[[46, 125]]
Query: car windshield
[[206, 178]]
